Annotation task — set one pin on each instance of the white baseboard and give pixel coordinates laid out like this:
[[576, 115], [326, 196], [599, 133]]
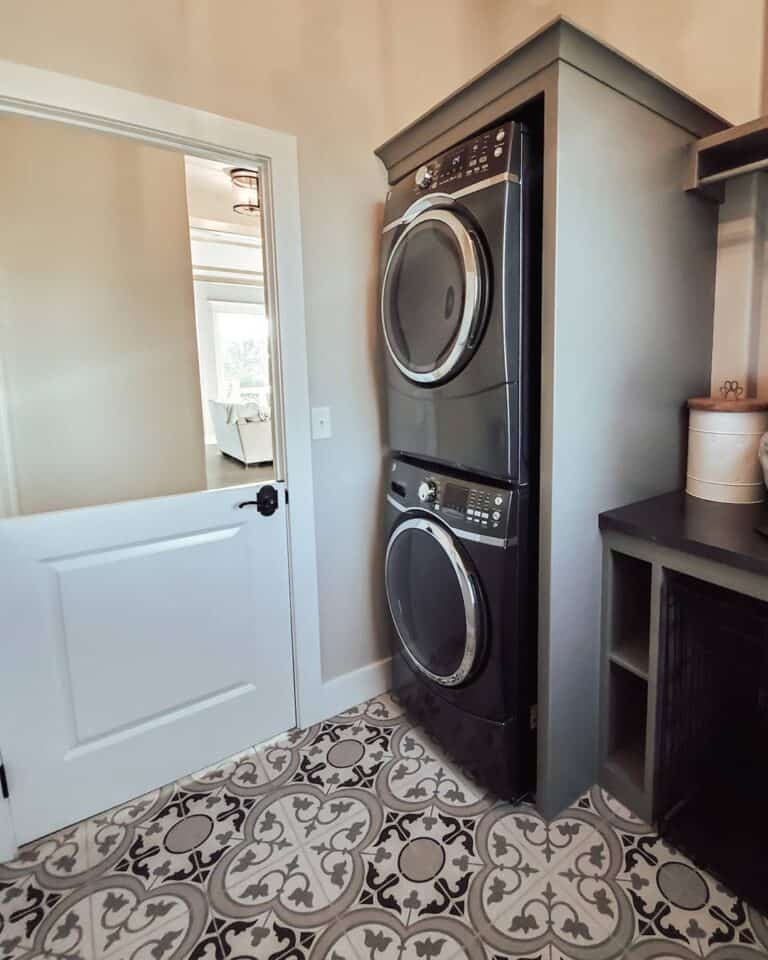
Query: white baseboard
[[8, 849], [352, 688]]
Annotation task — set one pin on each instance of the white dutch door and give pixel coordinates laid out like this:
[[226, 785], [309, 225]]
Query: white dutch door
[[145, 618], [147, 640]]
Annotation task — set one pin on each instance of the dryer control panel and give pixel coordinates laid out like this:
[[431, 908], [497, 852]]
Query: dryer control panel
[[464, 505], [487, 159]]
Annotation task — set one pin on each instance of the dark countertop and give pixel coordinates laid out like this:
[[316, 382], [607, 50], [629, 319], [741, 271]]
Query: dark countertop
[[724, 532]]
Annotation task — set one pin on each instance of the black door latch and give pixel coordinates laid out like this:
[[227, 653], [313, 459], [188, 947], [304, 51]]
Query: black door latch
[[266, 501]]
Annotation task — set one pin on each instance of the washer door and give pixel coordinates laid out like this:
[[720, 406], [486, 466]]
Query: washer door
[[432, 296], [434, 601]]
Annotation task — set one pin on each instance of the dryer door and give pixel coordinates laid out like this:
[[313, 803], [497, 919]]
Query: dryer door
[[432, 296], [435, 600]]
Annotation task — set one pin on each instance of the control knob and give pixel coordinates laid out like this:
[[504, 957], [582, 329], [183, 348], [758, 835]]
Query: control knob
[[427, 491], [424, 176]]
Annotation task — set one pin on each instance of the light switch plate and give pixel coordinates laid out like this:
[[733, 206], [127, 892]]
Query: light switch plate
[[321, 423]]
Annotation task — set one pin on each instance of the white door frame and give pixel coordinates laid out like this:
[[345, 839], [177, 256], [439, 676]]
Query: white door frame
[[9, 503], [42, 93]]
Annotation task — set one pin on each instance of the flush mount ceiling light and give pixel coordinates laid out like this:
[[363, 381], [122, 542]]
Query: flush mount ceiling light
[[246, 183]]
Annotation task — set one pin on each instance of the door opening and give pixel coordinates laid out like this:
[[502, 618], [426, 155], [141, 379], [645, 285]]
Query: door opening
[[150, 621], [234, 329]]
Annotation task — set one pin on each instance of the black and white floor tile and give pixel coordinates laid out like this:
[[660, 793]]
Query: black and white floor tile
[[358, 839]]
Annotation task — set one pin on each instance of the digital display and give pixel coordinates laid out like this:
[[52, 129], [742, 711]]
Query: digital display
[[455, 497]]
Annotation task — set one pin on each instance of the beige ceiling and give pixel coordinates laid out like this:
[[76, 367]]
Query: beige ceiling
[[210, 196]]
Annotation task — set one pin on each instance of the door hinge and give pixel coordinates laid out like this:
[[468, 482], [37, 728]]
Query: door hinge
[[286, 495], [3, 783], [533, 718]]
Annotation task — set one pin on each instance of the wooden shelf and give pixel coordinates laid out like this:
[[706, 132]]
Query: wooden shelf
[[628, 761], [626, 639], [629, 632], [628, 696], [633, 657], [731, 153]]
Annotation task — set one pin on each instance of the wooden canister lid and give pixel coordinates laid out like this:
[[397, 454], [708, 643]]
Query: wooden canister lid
[[718, 405]]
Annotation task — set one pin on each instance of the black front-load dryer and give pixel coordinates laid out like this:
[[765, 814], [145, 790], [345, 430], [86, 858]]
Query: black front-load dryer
[[458, 305], [460, 586]]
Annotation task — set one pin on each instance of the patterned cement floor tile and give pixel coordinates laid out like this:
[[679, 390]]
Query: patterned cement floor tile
[[659, 948], [421, 864], [184, 839], [255, 772], [549, 886], [59, 861], [674, 901], [110, 835], [130, 922], [549, 951], [614, 813], [369, 933], [266, 936], [26, 908], [383, 711], [420, 774], [360, 839], [348, 754]]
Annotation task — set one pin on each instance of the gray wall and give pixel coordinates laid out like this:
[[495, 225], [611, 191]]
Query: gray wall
[[344, 76], [631, 340], [98, 321]]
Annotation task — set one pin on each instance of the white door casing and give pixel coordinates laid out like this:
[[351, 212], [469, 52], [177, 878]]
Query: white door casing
[[170, 524], [9, 505]]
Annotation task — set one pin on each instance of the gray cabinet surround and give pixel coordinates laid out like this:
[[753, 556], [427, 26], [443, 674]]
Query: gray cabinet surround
[[628, 269]]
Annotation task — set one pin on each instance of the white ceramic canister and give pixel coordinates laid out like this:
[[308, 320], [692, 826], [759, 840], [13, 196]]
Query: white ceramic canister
[[723, 441]]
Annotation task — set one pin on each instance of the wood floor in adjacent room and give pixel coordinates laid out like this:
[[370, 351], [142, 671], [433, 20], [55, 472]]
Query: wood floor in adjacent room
[[224, 471]]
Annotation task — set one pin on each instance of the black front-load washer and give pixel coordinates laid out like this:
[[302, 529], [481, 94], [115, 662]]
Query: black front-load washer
[[459, 305], [460, 583]]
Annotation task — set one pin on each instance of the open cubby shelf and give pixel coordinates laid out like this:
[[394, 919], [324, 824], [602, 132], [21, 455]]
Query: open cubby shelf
[[629, 632], [627, 720], [626, 664], [729, 153], [632, 655]]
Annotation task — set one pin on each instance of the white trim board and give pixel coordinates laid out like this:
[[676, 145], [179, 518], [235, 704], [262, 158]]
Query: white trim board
[[40, 93], [9, 499], [8, 846], [354, 687]]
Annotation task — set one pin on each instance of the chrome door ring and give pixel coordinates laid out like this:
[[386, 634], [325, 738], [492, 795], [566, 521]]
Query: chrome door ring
[[472, 298], [468, 594]]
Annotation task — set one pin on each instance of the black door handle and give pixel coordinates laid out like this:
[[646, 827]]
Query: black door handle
[[266, 502]]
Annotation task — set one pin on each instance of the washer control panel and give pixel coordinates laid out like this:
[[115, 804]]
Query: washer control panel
[[463, 505], [490, 153]]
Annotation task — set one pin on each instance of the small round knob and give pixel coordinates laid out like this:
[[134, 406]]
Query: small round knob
[[423, 177], [427, 491]]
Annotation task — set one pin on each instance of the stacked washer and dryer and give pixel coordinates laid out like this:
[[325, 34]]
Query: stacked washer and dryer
[[460, 305]]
